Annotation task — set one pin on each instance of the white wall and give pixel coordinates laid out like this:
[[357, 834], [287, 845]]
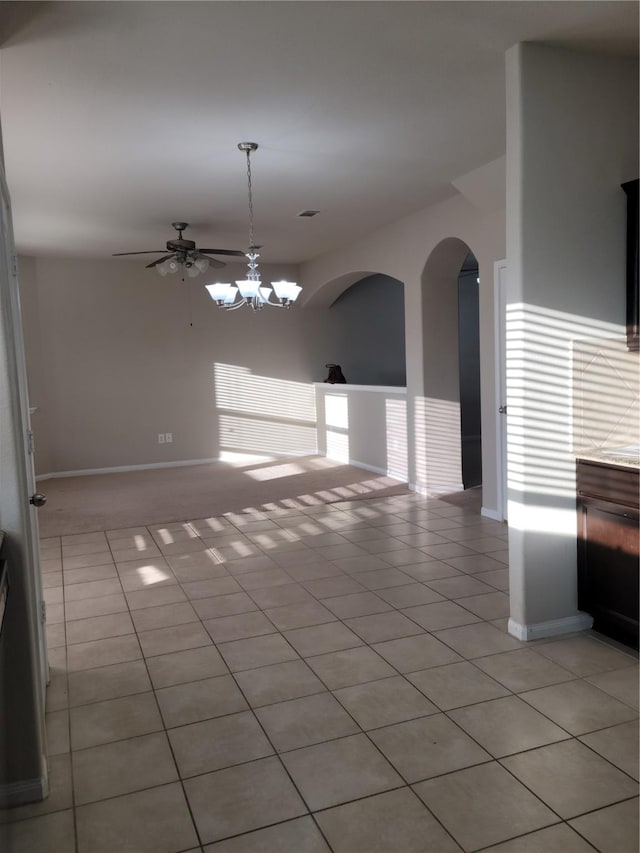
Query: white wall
[[118, 354], [572, 139], [606, 395], [38, 395], [364, 426]]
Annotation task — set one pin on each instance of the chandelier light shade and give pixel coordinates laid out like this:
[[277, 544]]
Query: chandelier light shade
[[286, 291], [250, 290]]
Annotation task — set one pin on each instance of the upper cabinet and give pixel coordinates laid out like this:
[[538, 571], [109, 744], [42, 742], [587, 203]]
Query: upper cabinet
[[633, 318]]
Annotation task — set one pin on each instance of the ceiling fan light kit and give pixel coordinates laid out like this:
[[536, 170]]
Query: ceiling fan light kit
[[251, 291], [184, 254]]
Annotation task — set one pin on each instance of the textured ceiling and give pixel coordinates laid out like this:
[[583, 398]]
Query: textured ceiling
[[121, 117]]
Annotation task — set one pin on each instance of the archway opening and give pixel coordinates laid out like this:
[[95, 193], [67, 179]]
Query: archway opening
[[369, 333], [447, 416], [469, 372]]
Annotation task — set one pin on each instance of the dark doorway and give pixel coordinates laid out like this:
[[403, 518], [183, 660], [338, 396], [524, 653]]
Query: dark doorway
[[469, 366]]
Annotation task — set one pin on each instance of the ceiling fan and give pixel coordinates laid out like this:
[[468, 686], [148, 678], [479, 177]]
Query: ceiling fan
[[185, 253]]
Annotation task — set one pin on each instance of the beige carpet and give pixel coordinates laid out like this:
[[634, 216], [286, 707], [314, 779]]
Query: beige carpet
[[162, 495]]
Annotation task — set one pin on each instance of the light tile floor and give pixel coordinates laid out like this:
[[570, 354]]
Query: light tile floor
[[335, 678]]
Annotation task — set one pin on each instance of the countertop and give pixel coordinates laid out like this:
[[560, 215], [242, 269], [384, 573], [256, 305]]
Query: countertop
[[624, 457]]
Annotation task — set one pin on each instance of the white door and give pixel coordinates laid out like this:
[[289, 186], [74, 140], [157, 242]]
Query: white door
[[500, 331], [18, 514]]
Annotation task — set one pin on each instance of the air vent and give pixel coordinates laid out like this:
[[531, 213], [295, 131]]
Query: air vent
[[308, 213]]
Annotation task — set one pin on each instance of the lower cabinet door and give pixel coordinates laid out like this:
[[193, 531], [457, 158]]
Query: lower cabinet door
[[608, 547]]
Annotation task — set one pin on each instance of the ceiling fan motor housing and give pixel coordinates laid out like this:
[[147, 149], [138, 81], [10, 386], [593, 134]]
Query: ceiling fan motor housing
[[181, 245]]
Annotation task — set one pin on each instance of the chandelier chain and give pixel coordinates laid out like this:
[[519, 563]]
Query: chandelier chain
[[250, 191]]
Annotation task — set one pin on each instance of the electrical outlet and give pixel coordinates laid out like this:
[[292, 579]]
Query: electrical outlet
[[160, 438], [168, 437]]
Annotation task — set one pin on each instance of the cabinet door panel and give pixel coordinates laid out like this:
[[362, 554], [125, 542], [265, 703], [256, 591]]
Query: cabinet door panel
[[608, 568]]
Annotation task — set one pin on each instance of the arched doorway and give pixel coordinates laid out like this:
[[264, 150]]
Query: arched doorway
[[449, 452]]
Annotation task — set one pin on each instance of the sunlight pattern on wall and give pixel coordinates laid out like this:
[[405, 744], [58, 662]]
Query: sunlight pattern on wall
[[365, 426], [396, 423], [562, 397], [260, 414], [606, 391], [247, 434], [438, 445], [336, 413], [239, 389]]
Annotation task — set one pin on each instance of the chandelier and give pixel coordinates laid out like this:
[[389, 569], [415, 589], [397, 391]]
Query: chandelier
[[250, 290]]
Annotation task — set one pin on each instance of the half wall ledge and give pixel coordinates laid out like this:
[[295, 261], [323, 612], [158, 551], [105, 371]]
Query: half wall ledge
[[381, 389]]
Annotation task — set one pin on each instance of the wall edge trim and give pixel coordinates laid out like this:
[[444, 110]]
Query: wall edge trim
[[342, 386]]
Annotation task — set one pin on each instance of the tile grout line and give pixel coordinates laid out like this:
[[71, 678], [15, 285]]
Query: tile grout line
[[166, 736]]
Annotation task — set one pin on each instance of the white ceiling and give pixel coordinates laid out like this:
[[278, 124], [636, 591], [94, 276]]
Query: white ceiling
[[121, 117]]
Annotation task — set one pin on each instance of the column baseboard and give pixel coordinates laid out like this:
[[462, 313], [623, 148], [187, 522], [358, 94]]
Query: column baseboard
[[552, 628], [21, 793], [436, 491], [491, 513]]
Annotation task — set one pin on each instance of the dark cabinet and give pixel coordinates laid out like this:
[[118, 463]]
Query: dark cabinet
[[608, 548]]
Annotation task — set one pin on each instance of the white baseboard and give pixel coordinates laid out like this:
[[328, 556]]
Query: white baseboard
[[366, 467], [491, 513], [419, 490], [374, 470], [181, 463], [568, 625], [20, 793], [436, 492], [396, 475], [119, 469]]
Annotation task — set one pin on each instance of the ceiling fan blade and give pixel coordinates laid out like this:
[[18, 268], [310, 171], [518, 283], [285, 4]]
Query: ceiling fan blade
[[159, 261], [150, 252], [212, 263], [234, 252]]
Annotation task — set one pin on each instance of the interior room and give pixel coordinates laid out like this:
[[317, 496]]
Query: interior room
[[247, 608]]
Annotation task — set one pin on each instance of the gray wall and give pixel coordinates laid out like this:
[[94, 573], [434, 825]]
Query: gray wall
[[368, 328], [117, 354], [38, 395]]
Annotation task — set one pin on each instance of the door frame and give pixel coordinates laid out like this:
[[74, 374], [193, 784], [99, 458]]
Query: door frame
[[500, 360], [23, 650]]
